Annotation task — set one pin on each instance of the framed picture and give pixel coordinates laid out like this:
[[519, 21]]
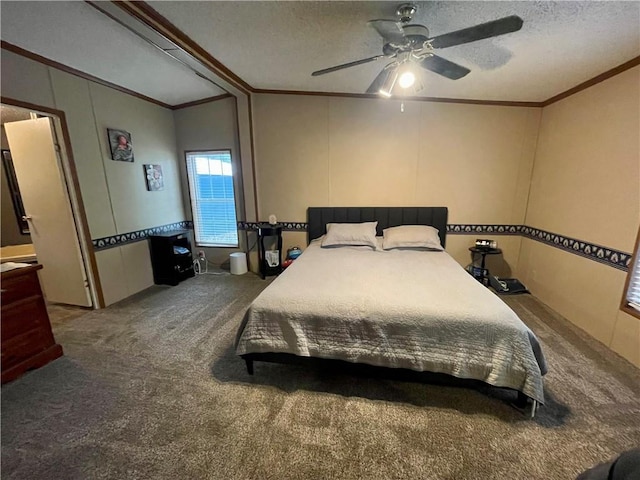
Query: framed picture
[[16, 198], [154, 177], [120, 144]]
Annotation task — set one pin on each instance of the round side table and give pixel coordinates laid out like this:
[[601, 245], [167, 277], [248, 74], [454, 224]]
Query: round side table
[[484, 273]]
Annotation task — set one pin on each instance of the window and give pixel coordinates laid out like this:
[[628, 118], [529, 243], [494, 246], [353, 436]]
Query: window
[[212, 198], [631, 299]]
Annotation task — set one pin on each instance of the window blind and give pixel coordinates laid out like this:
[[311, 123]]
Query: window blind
[[633, 292], [212, 198]]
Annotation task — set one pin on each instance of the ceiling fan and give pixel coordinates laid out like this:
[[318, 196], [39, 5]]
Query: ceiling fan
[[409, 45]]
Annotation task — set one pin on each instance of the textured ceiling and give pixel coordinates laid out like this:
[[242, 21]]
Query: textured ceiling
[[77, 35], [276, 45], [9, 113]]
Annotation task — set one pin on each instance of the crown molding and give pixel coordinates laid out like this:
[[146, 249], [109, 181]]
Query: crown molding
[[150, 17], [202, 101], [373, 96], [505, 103], [78, 73], [593, 81]]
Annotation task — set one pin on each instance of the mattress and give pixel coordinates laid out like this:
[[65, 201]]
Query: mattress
[[409, 309]]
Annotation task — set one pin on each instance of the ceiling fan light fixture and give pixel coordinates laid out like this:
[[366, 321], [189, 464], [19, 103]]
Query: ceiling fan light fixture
[[406, 79], [389, 83]]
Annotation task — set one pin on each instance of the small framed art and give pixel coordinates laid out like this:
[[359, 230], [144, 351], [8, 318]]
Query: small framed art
[[120, 144], [154, 177]]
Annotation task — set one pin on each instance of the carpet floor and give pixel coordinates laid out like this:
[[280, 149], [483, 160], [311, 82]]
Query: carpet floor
[[151, 388]]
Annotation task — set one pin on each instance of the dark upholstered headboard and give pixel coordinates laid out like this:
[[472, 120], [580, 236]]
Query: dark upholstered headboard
[[318, 217]]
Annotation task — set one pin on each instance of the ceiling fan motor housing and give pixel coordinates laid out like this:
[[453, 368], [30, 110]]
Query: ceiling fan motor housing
[[416, 33], [415, 38]]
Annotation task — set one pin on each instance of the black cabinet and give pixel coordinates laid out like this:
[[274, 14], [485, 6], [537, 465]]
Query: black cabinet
[[270, 261], [171, 257]]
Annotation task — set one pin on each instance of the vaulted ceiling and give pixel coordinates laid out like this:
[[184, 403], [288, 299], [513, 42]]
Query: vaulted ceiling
[[276, 45]]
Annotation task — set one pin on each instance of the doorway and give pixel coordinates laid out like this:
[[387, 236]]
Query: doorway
[[51, 222]]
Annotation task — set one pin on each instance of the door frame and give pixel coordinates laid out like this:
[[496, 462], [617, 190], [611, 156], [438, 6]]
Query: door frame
[[70, 174]]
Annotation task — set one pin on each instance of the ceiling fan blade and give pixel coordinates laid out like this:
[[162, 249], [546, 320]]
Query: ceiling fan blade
[[479, 32], [346, 65], [444, 67], [389, 30]]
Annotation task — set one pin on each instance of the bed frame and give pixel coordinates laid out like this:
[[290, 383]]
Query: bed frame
[[319, 217]]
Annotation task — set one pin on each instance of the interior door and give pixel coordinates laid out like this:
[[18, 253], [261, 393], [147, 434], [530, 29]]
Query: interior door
[[48, 208]]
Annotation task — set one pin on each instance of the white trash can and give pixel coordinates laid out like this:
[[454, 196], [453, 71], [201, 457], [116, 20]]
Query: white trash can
[[238, 263]]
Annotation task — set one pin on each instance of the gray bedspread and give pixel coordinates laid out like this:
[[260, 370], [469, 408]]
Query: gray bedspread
[[404, 309]]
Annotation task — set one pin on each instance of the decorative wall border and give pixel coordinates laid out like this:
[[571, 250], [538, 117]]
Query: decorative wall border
[[493, 229], [608, 256], [130, 237], [452, 228], [286, 226], [598, 253]]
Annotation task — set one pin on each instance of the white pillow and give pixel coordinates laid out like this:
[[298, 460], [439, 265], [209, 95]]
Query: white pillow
[[350, 234], [411, 236]]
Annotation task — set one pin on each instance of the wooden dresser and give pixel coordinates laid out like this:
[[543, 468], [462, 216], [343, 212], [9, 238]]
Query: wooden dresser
[[27, 339]]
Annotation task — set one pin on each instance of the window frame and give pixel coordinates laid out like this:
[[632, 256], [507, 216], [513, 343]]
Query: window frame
[[235, 191], [624, 304]]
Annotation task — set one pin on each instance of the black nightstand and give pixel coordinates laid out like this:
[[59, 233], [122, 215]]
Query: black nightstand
[[483, 274], [265, 231], [171, 257]]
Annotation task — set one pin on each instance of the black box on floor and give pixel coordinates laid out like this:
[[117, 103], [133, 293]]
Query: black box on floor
[[507, 286]]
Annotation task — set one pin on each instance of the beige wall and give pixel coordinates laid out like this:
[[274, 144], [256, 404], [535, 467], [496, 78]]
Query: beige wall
[[330, 151], [114, 193], [120, 185], [586, 185], [211, 126]]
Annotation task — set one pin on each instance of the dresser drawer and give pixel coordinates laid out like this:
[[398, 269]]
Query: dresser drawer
[[23, 315], [23, 347], [18, 287], [27, 339]]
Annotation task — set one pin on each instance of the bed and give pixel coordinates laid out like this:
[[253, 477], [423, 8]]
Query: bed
[[405, 308]]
